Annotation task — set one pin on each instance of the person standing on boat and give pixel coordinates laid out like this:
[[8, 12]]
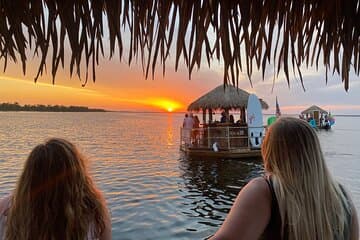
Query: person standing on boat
[[188, 125], [297, 198], [223, 117], [322, 120], [195, 131]]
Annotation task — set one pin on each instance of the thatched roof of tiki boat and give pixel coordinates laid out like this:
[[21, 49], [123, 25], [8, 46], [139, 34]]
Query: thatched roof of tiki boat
[[314, 108], [223, 97], [243, 34]]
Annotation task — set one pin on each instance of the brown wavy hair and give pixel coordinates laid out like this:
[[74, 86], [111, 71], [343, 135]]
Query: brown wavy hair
[[55, 197]]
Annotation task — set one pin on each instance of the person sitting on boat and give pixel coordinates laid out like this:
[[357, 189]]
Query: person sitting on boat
[[241, 123], [327, 124], [55, 198], [231, 119], [297, 198]]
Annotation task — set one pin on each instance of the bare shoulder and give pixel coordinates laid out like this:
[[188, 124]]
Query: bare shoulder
[[5, 203], [257, 188], [259, 181], [255, 196], [249, 214]]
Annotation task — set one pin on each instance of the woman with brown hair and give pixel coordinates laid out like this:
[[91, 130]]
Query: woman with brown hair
[[55, 198], [298, 198]]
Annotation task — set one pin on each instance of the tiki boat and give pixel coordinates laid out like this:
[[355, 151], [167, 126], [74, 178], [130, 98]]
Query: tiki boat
[[318, 118], [225, 137]]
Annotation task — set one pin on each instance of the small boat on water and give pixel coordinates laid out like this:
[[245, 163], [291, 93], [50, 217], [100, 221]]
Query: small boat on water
[[318, 118], [226, 138]]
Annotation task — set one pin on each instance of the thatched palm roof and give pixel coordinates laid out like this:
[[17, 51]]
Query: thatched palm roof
[[244, 34], [223, 97], [314, 108]]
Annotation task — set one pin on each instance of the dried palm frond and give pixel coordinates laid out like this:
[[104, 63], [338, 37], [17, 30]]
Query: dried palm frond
[[251, 33]]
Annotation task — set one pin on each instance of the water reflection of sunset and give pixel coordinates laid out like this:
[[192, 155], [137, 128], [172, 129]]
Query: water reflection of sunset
[[170, 134]]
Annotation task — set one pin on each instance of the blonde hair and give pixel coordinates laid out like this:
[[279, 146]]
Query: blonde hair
[[55, 197], [311, 204]]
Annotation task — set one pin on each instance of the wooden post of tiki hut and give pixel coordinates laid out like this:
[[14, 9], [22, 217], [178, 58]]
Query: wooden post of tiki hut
[[204, 116], [227, 114], [242, 115], [210, 116], [208, 128]]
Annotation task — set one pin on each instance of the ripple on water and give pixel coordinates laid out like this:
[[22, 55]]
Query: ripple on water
[[152, 190]]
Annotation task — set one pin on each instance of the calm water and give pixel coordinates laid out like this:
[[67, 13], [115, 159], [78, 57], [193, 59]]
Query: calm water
[[153, 191]]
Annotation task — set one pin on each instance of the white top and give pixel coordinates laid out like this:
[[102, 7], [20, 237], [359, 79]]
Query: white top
[[5, 205], [188, 122]]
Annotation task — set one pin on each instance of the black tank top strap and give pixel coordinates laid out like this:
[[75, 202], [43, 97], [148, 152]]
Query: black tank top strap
[[272, 191], [273, 229]]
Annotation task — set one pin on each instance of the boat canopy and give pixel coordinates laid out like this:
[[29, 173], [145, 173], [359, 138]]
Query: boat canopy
[[223, 97], [314, 108]]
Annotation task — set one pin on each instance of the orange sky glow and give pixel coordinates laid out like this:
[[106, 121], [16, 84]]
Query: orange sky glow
[[115, 89], [124, 88], [28, 92]]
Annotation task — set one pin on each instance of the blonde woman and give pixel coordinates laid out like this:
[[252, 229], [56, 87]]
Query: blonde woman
[[55, 198], [298, 199]]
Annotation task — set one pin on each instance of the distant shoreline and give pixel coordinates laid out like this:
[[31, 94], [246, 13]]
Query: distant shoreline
[[16, 107]]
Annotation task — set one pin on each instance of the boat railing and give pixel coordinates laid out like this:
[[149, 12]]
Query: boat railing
[[225, 137]]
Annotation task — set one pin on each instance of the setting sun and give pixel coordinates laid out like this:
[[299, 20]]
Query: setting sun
[[166, 104]]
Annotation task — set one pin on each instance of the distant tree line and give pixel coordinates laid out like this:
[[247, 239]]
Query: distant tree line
[[46, 108]]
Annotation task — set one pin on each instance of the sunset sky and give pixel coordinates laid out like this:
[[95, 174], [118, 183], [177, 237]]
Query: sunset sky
[[120, 87]]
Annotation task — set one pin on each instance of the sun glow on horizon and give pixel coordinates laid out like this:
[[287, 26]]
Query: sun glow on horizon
[[165, 104], [154, 104]]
